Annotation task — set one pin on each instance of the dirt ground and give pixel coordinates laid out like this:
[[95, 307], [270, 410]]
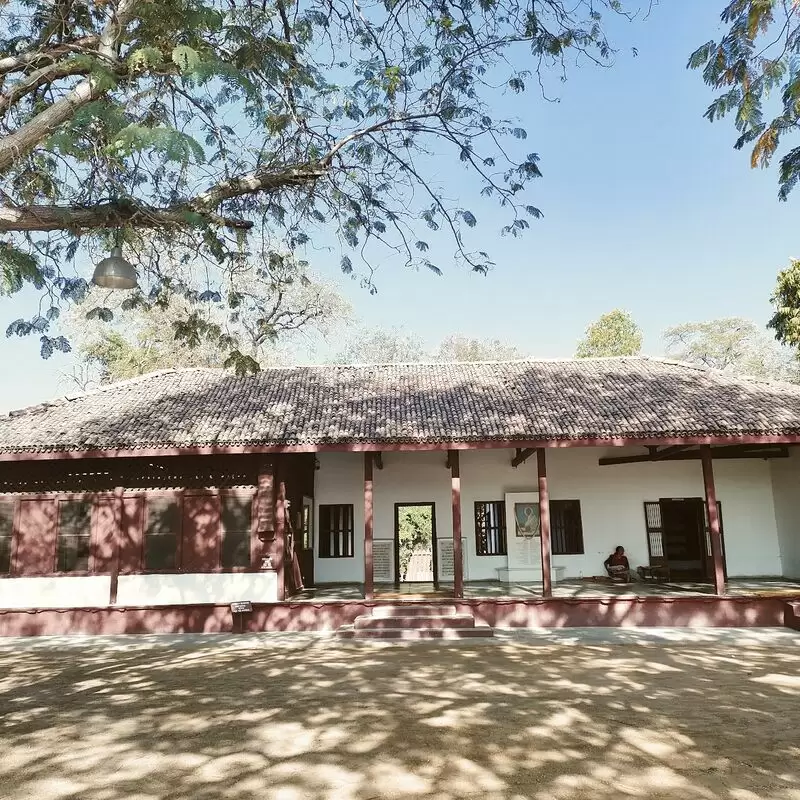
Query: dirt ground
[[284, 720]]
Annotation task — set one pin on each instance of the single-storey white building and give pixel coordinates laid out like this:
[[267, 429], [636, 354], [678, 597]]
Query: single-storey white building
[[155, 503]]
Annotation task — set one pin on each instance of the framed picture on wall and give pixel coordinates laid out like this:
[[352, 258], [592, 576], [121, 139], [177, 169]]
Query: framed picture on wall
[[523, 509]]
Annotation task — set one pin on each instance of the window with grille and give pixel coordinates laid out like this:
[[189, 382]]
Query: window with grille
[[490, 528], [6, 531], [162, 533], [335, 533], [566, 528], [236, 526], [74, 536]]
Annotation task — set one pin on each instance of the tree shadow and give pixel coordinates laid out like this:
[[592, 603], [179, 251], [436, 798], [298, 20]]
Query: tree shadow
[[267, 717]]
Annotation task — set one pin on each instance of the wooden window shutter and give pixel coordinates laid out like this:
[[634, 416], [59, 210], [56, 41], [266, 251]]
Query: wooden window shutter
[[36, 537], [655, 533], [104, 531], [566, 527], [201, 533], [131, 535]]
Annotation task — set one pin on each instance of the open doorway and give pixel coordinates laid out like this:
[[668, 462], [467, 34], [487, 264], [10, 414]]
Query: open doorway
[[415, 543], [683, 525]]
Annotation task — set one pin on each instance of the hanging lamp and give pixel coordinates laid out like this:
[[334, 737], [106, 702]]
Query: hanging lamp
[[115, 272]]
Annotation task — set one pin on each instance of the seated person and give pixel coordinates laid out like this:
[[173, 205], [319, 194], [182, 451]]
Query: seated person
[[617, 565]]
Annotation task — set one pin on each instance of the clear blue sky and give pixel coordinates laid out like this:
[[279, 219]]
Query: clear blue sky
[[647, 207]]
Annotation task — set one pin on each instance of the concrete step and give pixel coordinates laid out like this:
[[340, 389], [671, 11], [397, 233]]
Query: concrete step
[[414, 610], [441, 621], [414, 634], [791, 615]]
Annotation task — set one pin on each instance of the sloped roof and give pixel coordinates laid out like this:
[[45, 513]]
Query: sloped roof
[[638, 397]]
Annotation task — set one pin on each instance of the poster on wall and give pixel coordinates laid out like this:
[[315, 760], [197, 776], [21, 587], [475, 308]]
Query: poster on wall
[[524, 539], [382, 560], [446, 568], [527, 519]]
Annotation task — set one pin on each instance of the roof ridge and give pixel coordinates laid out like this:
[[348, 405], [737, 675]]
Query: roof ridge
[[436, 363]]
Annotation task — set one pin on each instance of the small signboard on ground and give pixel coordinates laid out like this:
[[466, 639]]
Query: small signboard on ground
[[241, 607]]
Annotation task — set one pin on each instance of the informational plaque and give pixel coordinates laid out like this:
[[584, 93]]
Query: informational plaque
[[446, 568], [382, 552], [241, 607]]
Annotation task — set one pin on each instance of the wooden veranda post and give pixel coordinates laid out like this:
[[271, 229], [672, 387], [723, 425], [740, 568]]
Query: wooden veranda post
[[279, 549], [458, 559], [369, 574], [713, 519], [544, 516], [120, 529]]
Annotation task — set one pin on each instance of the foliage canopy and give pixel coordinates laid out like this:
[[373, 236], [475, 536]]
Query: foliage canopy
[[215, 131], [613, 334], [731, 344], [758, 57]]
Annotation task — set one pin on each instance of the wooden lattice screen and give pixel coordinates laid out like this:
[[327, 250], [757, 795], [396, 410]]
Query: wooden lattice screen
[[105, 474]]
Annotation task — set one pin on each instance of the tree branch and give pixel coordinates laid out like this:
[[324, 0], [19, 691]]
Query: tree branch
[[22, 141], [40, 77], [104, 215], [48, 55]]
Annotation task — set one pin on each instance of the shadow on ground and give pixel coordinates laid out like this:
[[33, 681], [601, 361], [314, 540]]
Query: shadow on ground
[[325, 719]]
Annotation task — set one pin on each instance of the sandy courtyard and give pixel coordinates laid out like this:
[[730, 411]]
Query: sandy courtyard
[[309, 718]]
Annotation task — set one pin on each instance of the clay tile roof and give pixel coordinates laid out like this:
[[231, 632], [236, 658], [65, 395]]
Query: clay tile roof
[[409, 403]]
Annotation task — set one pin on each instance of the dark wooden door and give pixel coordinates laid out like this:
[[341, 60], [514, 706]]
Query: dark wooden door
[[304, 540], [683, 532]]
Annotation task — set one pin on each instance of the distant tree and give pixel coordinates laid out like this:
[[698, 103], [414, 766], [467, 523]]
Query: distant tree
[[277, 306], [457, 347], [786, 300], [381, 346], [397, 346], [731, 344], [415, 526], [754, 66], [614, 334]]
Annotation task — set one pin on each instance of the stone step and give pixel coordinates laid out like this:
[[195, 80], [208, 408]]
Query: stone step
[[791, 615], [414, 610], [418, 621], [414, 634]]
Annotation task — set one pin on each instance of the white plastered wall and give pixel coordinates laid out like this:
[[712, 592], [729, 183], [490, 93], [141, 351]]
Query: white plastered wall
[[786, 490], [84, 591], [340, 479], [194, 588], [611, 498], [612, 504]]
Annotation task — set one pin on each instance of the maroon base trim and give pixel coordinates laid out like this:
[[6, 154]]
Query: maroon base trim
[[689, 612]]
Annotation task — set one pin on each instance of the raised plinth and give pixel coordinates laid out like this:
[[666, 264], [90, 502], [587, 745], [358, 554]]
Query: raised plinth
[[527, 574]]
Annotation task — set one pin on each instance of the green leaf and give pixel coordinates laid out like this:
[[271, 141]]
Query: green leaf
[[145, 58], [175, 145], [186, 58], [16, 269]]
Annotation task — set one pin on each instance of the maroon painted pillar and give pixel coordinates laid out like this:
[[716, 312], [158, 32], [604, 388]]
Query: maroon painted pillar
[[279, 546], [264, 516], [544, 517], [119, 530], [713, 519], [369, 529], [458, 556]]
